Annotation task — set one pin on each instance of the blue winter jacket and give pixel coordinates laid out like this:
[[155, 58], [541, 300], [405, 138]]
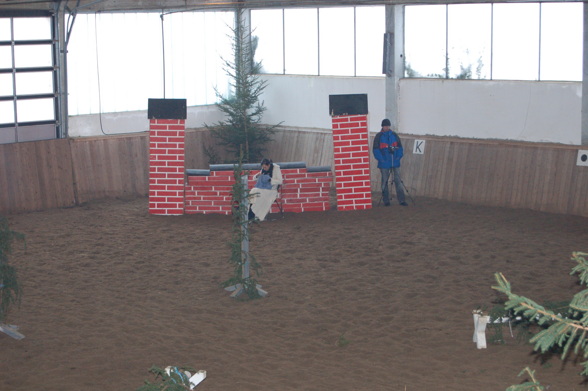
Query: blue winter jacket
[[381, 150]]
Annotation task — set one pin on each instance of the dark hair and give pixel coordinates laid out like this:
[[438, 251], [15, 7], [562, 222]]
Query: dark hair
[[386, 122], [270, 170]]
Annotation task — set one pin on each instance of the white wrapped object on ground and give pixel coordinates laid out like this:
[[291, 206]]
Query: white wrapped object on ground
[[197, 378], [185, 375], [480, 322], [11, 330]]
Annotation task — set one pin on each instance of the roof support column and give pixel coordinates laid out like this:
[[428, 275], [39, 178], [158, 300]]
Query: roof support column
[[61, 62], [393, 59], [584, 137]]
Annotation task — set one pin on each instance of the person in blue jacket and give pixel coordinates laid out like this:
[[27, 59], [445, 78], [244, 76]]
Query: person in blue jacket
[[388, 151]]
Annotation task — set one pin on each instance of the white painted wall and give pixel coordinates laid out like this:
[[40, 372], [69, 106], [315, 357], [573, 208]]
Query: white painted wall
[[303, 101], [510, 110], [134, 121]]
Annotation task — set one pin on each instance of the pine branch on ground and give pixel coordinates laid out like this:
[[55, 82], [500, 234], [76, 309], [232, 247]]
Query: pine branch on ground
[[568, 333]]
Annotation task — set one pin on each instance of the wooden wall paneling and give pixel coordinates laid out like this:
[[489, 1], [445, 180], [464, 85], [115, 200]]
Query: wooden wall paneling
[[438, 170], [460, 152], [111, 167], [56, 181], [411, 169], [554, 180], [427, 174], [35, 176], [80, 164], [505, 175], [568, 186], [47, 174], [449, 191], [486, 178], [13, 172], [420, 173], [138, 152], [6, 201], [97, 171], [578, 193], [566, 166], [88, 163], [28, 180], [468, 172], [84, 166], [545, 179], [559, 180], [489, 191], [112, 162], [523, 174], [195, 141], [486, 160], [446, 173], [475, 174], [521, 170], [534, 186]]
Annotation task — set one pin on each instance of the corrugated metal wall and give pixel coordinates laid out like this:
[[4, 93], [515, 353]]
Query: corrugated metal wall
[[61, 173]]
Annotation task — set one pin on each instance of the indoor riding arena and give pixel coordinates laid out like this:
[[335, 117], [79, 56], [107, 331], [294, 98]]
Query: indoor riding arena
[[360, 296]]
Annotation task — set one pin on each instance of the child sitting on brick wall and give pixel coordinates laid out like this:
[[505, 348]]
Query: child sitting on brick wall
[[265, 191]]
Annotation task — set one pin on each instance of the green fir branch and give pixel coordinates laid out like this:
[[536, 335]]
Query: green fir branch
[[532, 385], [175, 380], [566, 332], [241, 131]]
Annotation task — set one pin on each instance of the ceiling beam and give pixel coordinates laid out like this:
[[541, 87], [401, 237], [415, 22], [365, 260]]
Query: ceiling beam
[[91, 6]]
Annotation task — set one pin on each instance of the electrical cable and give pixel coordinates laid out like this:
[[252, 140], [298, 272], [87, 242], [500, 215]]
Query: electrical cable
[[99, 83], [98, 74], [163, 51]]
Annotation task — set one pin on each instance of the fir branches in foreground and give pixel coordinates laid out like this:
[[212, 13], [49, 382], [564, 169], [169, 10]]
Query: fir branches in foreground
[[568, 333]]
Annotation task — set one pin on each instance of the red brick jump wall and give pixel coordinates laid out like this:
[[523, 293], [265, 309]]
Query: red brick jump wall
[[352, 162], [302, 191], [166, 166]]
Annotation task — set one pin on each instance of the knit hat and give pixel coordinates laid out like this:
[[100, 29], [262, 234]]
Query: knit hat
[[386, 122]]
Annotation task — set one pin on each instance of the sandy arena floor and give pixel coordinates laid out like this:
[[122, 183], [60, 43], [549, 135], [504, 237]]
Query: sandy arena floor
[[110, 291]]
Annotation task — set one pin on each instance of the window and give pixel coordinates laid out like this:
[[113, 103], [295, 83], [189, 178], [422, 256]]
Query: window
[[516, 42], [336, 41], [269, 25], [524, 41], [339, 41], [425, 47], [28, 89], [370, 26], [111, 55], [301, 41], [469, 41], [561, 41]]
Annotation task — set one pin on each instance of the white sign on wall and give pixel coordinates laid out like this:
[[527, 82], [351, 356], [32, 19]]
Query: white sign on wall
[[582, 158], [418, 147]]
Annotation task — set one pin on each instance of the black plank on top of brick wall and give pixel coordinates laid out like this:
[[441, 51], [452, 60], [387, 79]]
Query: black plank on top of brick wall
[[196, 172], [318, 169], [255, 166]]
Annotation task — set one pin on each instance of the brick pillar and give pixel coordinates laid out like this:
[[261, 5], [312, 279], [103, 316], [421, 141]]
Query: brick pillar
[[166, 156], [352, 162]]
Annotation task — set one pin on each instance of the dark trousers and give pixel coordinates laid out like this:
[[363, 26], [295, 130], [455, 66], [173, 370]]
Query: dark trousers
[[395, 171]]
